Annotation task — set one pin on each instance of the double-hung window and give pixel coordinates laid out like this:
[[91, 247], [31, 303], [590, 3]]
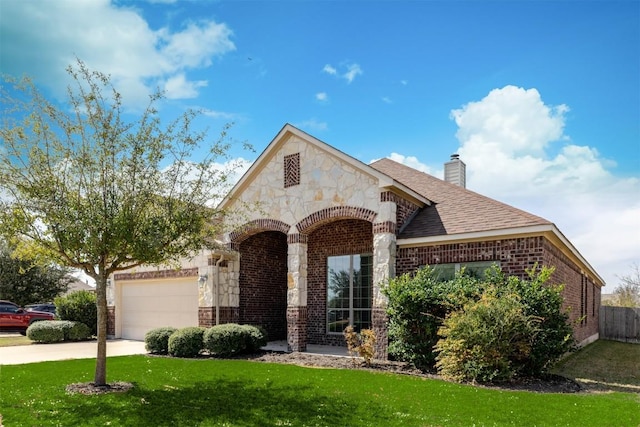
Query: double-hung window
[[349, 282]]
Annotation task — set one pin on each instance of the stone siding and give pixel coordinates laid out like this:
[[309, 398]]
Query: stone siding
[[325, 181]]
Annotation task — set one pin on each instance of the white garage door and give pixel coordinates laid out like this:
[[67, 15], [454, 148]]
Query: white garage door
[[146, 305]]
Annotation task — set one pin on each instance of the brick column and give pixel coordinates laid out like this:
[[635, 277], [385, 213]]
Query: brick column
[[297, 292]]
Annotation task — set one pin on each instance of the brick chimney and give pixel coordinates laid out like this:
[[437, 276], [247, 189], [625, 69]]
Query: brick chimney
[[455, 171]]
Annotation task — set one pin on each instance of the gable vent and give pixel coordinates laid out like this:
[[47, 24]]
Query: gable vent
[[455, 171]]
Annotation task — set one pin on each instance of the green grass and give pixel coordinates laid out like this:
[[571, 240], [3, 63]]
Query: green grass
[[605, 365], [13, 340], [209, 392]]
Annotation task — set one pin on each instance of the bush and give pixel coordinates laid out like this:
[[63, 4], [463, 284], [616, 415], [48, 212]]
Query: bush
[[417, 306], [363, 344], [543, 301], [157, 340], [186, 342], [77, 331], [50, 331], [46, 331], [487, 340], [256, 337], [229, 339], [79, 306]]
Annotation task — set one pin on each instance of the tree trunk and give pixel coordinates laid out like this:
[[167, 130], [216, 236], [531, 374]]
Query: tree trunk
[[101, 301]]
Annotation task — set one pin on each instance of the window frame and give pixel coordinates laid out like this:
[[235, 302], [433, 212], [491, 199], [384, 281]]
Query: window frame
[[352, 309]]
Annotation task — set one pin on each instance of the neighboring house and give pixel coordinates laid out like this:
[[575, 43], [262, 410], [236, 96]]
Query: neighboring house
[[77, 284], [327, 233]]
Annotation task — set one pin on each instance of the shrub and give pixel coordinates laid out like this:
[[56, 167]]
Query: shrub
[[79, 306], [363, 344], [186, 342], [256, 337], [50, 331], [229, 339], [46, 331], [487, 340], [77, 331], [157, 340], [417, 305], [543, 301]]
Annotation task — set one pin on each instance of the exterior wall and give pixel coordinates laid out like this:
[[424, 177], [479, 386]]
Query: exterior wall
[[404, 208], [263, 283], [581, 294], [337, 238], [325, 181]]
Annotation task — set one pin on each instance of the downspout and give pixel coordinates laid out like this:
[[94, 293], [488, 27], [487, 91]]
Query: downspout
[[217, 294]]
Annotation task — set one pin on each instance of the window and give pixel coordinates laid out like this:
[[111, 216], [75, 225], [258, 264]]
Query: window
[[349, 280], [445, 272]]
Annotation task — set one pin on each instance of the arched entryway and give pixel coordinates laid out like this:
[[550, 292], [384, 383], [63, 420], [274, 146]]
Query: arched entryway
[[340, 255], [263, 282]]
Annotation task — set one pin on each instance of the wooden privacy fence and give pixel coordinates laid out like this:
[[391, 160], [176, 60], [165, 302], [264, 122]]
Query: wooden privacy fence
[[620, 323]]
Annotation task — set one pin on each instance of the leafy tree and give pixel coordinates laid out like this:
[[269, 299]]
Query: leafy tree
[[91, 188], [24, 281], [627, 294]]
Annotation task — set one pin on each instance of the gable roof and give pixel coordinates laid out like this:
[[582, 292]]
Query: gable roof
[[455, 210], [384, 180], [457, 214]]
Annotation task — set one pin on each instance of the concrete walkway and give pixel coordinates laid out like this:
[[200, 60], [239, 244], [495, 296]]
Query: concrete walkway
[[18, 355]]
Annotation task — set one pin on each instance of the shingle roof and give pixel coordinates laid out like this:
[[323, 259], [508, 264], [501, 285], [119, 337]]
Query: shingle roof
[[455, 210]]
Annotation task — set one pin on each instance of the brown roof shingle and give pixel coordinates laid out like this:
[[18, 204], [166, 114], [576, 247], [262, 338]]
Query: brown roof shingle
[[455, 210]]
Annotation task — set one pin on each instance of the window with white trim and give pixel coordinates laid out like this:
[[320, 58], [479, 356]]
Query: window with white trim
[[473, 269], [349, 283]]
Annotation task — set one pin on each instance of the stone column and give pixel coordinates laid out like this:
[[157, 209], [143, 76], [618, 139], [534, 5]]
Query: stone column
[[384, 268], [297, 292]]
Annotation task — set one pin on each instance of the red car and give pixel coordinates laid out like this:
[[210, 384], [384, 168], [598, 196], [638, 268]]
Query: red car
[[13, 318]]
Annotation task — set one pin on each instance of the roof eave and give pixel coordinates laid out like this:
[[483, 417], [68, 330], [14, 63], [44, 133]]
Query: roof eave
[[548, 230]]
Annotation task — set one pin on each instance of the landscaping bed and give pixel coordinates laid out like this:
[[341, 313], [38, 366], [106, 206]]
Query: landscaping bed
[[548, 384]]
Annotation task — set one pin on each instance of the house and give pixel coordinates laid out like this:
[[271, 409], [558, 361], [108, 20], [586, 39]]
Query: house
[[326, 233]]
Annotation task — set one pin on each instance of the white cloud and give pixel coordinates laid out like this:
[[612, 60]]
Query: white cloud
[[410, 161], [507, 140], [178, 87], [322, 97], [217, 114], [351, 71], [47, 36], [387, 100], [330, 70], [312, 125]]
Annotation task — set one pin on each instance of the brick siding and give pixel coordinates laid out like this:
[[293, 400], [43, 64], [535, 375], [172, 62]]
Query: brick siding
[[263, 282], [111, 321], [515, 257], [580, 293], [404, 208], [341, 237]]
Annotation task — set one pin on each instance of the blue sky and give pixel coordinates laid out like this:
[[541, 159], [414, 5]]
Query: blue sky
[[540, 98]]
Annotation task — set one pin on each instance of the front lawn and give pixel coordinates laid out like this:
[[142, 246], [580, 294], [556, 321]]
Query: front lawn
[[209, 392], [10, 340]]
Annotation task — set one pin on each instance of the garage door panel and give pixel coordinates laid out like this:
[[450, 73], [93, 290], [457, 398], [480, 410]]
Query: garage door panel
[[148, 305]]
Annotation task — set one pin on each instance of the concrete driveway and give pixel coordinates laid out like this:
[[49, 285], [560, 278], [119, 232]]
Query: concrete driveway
[[21, 354]]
